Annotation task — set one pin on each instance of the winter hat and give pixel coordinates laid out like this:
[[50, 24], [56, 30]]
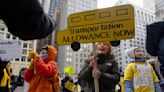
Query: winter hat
[[130, 52]]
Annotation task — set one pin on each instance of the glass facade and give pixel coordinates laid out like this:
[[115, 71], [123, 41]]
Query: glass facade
[[159, 5]]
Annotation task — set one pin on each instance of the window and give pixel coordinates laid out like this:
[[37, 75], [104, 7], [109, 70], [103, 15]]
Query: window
[[67, 53], [67, 48], [24, 45], [14, 37], [67, 59], [24, 51], [2, 29], [8, 36], [138, 42], [81, 66], [30, 45], [29, 59], [70, 59], [81, 60], [17, 59], [23, 58], [70, 54]]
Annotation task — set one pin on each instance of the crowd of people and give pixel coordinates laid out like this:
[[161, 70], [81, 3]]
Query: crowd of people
[[27, 20], [140, 75]]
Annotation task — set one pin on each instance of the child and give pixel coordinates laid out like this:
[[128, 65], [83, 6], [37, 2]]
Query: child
[[140, 76]]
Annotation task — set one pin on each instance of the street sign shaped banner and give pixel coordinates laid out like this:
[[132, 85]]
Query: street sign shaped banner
[[109, 24]]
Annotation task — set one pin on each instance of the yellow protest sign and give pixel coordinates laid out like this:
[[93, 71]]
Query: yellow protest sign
[[109, 24], [70, 86], [69, 70]]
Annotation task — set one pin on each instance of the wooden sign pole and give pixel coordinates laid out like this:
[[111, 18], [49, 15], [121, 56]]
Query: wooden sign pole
[[96, 81]]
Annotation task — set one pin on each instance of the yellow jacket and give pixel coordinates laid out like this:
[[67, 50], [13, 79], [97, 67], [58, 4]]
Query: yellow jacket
[[142, 75], [5, 79]]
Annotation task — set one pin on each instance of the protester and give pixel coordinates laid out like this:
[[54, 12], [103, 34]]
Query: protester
[[107, 72], [78, 87], [13, 80], [121, 83], [156, 66], [5, 76], [42, 73], [138, 75], [64, 81], [26, 19], [19, 84], [155, 42]]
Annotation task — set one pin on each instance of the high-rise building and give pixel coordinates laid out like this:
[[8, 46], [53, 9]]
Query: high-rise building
[[68, 57], [142, 18], [18, 63], [159, 6], [50, 7], [149, 4]]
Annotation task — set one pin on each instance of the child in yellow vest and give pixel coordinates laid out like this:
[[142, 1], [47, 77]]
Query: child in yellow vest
[[5, 81], [140, 76]]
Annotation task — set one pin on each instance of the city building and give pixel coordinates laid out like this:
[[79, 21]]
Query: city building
[[68, 57], [142, 18], [50, 7], [159, 6], [149, 4], [18, 63]]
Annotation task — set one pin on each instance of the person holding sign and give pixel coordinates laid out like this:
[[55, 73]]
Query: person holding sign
[[67, 83], [138, 75], [107, 71], [42, 73]]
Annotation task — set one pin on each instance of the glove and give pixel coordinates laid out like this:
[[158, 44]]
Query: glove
[[34, 56]]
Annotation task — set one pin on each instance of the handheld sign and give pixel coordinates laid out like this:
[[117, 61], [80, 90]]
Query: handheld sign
[[70, 86], [109, 24], [10, 49]]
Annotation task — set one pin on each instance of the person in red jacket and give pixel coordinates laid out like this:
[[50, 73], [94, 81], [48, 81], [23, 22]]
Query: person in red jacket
[[42, 73]]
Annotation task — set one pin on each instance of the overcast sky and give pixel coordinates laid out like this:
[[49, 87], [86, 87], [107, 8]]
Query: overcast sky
[[109, 3]]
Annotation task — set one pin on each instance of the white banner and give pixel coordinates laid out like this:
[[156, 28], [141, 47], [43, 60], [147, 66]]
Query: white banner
[[10, 49]]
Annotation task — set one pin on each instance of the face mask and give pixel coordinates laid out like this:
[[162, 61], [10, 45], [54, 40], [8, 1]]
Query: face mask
[[43, 55]]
